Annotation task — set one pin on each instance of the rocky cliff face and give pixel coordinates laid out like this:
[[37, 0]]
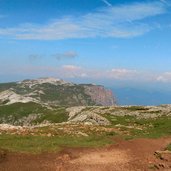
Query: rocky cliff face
[[56, 92], [100, 95]]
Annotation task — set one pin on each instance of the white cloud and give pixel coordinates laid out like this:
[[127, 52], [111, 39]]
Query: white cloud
[[115, 21], [71, 68], [122, 73], [75, 71], [79, 72], [164, 77]]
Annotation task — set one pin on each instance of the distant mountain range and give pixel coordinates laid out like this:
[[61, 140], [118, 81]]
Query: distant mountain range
[[58, 92], [49, 101], [55, 92]]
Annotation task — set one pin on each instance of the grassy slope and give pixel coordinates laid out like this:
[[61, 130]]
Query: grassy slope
[[6, 86], [19, 110], [130, 127], [148, 128], [65, 95], [58, 94], [37, 144]]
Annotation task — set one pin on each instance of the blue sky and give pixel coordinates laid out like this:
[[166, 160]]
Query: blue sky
[[100, 41]]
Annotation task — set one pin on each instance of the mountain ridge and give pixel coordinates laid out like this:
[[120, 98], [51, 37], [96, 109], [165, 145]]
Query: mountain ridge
[[55, 91]]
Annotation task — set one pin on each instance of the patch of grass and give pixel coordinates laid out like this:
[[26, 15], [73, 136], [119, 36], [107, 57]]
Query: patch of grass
[[135, 108], [152, 112], [153, 167], [3, 102], [20, 109], [38, 144], [6, 86], [17, 111], [153, 128], [111, 133], [58, 115], [169, 147], [123, 120], [157, 127], [148, 128]]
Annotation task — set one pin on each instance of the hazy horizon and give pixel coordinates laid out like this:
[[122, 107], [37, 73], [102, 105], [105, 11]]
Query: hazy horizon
[[119, 44]]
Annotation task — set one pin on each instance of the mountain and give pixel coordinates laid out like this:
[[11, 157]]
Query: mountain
[[50, 100], [51, 91]]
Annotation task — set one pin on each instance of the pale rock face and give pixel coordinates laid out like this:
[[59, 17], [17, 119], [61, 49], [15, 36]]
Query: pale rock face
[[90, 117], [12, 97], [100, 95], [74, 111], [9, 127], [49, 80], [78, 115]]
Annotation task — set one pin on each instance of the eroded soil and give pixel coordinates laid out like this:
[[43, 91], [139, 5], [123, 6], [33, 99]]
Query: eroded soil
[[132, 155]]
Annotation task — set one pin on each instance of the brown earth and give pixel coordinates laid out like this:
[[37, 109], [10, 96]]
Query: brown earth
[[132, 155]]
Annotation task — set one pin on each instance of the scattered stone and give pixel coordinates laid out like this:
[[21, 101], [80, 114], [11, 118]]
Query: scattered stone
[[82, 134]]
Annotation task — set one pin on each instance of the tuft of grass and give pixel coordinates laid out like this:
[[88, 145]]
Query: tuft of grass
[[169, 147], [123, 120], [135, 108]]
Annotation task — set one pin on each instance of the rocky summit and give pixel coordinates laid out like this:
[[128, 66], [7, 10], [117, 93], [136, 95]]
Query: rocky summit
[[51, 91]]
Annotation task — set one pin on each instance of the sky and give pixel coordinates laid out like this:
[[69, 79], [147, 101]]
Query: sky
[[111, 42]]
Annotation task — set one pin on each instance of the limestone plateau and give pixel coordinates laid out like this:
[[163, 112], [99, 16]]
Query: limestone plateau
[[55, 92]]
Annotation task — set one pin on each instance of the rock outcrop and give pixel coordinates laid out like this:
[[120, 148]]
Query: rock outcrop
[[9, 97], [89, 118]]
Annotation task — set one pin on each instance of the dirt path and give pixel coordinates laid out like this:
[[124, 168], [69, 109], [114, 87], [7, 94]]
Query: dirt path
[[133, 155]]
